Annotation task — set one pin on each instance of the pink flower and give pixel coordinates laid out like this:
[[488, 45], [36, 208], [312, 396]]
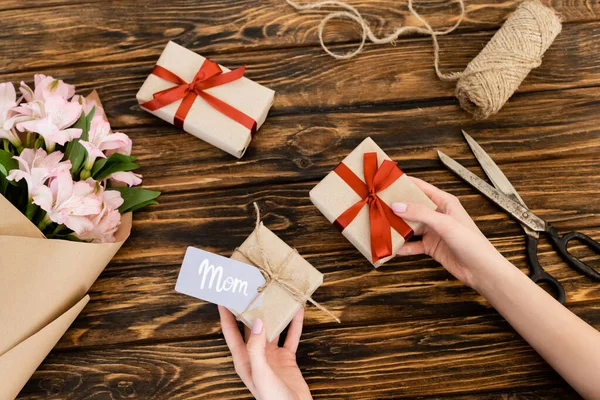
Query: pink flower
[[125, 149], [87, 104], [69, 203], [100, 138], [8, 100], [105, 223], [36, 167], [128, 177], [46, 85], [57, 115]]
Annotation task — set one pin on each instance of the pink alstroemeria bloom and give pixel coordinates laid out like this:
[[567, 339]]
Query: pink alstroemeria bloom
[[125, 149], [8, 100], [36, 167], [128, 177], [46, 85], [57, 116], [88, 104], [100, 138], [106, 223], [69, 203]]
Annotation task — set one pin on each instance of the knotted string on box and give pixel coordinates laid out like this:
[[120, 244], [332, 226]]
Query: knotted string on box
[[494, 75], [273, 273]]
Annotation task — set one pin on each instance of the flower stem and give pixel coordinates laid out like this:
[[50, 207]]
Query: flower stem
[[85, 173], [58, 229], [30, 211], [28, 139], [44, 223]]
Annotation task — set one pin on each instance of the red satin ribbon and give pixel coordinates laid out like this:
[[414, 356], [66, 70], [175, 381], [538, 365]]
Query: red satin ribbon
[[209, 75], [381, 216]]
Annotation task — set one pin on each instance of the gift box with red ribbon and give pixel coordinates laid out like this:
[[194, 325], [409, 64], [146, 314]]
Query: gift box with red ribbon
[[357, 196], [203, 98]]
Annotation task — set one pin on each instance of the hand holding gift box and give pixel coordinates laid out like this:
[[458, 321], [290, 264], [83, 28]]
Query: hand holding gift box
[[356, 198], [290, 280], [205, 99], [66, 192]]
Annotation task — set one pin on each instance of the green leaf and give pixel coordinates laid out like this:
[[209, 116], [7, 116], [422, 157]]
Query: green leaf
[[105, 167], [75, 152], [3, 185], [7, 162], [136, 198], [142, 205], [89, 122]]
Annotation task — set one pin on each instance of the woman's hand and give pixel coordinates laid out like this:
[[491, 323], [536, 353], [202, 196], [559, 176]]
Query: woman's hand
[[270, 372], [449, 235]]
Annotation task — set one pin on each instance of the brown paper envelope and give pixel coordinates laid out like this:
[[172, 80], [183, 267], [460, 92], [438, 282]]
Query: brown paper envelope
[[204, 121], [278, 307], [18, 364], [332, 196]]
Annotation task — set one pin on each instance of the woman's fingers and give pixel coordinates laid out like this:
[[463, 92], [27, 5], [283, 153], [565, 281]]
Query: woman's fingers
[[438, 196], [441, 223], [447, 203], [294, 332], [236, 345], [412, 249]]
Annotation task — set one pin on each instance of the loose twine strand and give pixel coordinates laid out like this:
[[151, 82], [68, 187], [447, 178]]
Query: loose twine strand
[[494, 75], [353, 14], [273, 273]]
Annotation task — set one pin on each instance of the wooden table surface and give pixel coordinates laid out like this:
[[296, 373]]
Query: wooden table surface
[[409, 329]]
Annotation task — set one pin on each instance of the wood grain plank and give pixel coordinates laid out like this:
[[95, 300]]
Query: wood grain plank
[[140, 305], [306, 80], [116, 31], [536, 128], [402, 359]]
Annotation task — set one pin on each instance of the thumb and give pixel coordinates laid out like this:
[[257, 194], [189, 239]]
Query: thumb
[[441, 223], [257, 344], [268, 385]]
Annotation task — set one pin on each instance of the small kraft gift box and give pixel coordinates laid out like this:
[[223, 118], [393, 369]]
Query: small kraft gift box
[[290, 280], [356, 197], [203, 98]]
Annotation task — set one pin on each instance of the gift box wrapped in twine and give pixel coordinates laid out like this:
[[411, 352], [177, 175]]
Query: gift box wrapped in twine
[[290, 280]]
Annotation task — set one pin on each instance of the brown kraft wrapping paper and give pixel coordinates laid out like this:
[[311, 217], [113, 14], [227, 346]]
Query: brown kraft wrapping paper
[[43, 286], [204, 121], [277, 306], [332, 196]]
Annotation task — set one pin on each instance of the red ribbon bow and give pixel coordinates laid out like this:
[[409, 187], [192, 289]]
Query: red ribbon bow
[[209, 75], [381, 216]]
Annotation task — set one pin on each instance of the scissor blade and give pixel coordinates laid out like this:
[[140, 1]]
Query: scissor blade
[[492, 170], [517, 210]]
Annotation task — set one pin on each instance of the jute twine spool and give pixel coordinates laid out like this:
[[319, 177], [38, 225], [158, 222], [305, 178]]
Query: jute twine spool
[[492, 77]]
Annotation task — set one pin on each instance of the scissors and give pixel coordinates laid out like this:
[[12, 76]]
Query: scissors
[[506, 196]]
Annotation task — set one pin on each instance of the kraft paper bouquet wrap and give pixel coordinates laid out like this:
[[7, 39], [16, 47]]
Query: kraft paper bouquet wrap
[[356, 197], [290, 280], [203, 98], [66, 196]]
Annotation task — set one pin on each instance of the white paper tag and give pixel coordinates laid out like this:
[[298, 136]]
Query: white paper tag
[[219, 280]]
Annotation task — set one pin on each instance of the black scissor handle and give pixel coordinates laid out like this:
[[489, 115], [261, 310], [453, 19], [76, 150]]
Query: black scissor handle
[[538, 275], [561, 243]]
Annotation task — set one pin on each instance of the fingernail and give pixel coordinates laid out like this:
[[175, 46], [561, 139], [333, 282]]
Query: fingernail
[[399, 207], [257, 326]]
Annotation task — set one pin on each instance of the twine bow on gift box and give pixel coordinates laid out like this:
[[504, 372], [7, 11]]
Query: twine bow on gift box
[[381, 216], [208, 76], [273, 274]]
